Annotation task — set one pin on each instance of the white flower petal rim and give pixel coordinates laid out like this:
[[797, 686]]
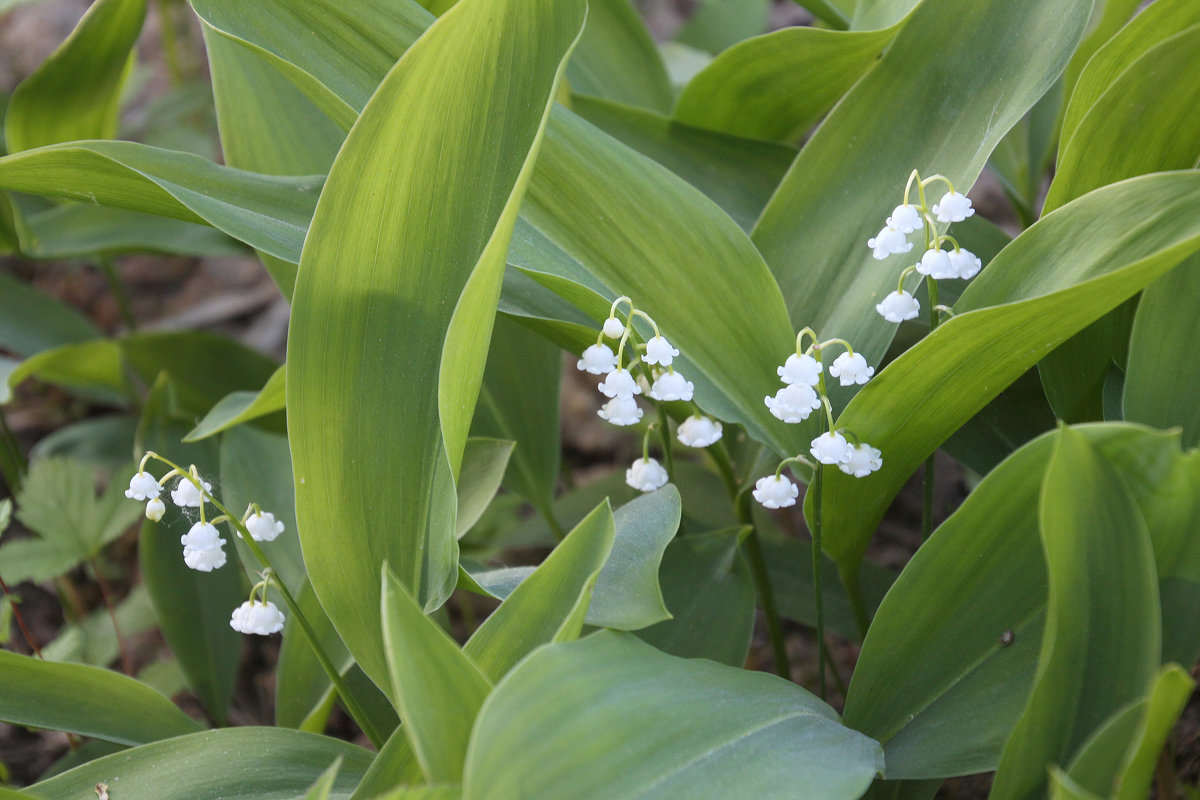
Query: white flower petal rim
[[800, 368], [775, 491], [143, 486], [204, 560], [905, 218], [620, 411], [672, 386], [186, 495], [966, 264], [898, 307], [831, 448], [793, 403], [263, 527], [659, 351], [937, 265], [598, 359], [953, 207], [851, 369], [261, 619], [863, 460], [619, 383], [646, 475], [698, 431], [887, 242]]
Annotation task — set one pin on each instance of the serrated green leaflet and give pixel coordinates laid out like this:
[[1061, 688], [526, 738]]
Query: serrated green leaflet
[[610, 716], [1015, 312], [385, 354], [75, 94], [86, 700], [944, 117]]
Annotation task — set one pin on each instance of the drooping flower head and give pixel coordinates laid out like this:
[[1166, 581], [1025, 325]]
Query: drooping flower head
[[155, 510], [143, 486], [620, 411], [619, 383], [800, 368], [204, 560], [898, 306], [794, 402], [953, 207], [863, 460], [698, 431], [775, 491], [646, 475], [613, 328], [659, 351], [598, 359], [888, 241], [262, 619], [937, 265], [186, 495], [905, 218], [831, 448], [263, 526], [851, 369], [965, 263], [671, 386]]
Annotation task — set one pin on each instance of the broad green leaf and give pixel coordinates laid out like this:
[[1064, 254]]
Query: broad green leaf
[[193, 607], [610, 716], [779, 85], [1100, 647], [1119, 758], [396, 765], [1163, 371], [92, 370], [105, 441], [89, 701], [33, 321], [739, 174], [483, 467], [879, 13], [73, 230], [814, 232], [423, 793], [617, 59], [1014, 312], [718, 24], [549, 605], [436, 688], [76, 92], [241, 406], [266, 212], [519, 401], [321, 789], [950, 656], [371, 323], [233, 764], [303, 691], [903, 790], [1063, 788], [58, 502], [1019, 414], [709, 590], [92, 640]]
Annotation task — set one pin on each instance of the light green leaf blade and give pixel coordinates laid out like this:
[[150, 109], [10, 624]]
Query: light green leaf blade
[[436, 688], [814, 232], [1100, 646], [718, 24], [372, 325], [617, 59], [610, 716], [238, 407], [483, 466], [628, 596], [320, 790], [89, 701], [1016, 312], [423, 793], [73, 230], [92, 370], [233, 764], [549, 605], [1063, 788], [709, 590], [76, 92], [779, 85], [302, 689]]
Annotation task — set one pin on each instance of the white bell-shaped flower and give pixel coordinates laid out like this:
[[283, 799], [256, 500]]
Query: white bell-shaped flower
[[830, 448], [659, 351], [202, 536], [671, 386], [619, 383], [937, 265], [953, 207], [263, 526], [614, 328], [851, 369], [794, 402], [905, 218], [889, 241], [646, 475], [775, 491], [598, 359], [863, 460], [698, 431], [800, 369], [966, 264], [262, 619], [143, 486], [621, 411], [155, 510], [204, 560], [186, 495], [898, 306]]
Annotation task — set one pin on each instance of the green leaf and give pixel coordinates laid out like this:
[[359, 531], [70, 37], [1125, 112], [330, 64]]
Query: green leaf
[[73, 230], [394, 766], [519, 401], [234, 764], [193, 607], [779, 85], [303, 692], [371, 322], [718, 24], [104, 441], [92, 369], [710, 592], [1063, 788], [483, 467], [58, 502], [76, 92], [610, 716], [1015, 312], [1163, 371], [617, 59], [36, 560], [950, 656], [92, 640], [1101, 643], [238, 407], [436, 688], [33, 321], [814, 232], [423, 793], [549, 605], [266, 212], [86, 700], [320, 790], [1119, 758]]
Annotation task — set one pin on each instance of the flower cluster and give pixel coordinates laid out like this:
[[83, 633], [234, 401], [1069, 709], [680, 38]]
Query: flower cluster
[[203, 547], [803, 376], [935, 263], [647, 370]]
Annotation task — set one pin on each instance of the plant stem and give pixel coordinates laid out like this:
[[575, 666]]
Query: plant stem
[[15, 605], [818, 598], [837, 676], [930, 463], [118, 291], [664, 436], [126, 661], [857, 602]]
